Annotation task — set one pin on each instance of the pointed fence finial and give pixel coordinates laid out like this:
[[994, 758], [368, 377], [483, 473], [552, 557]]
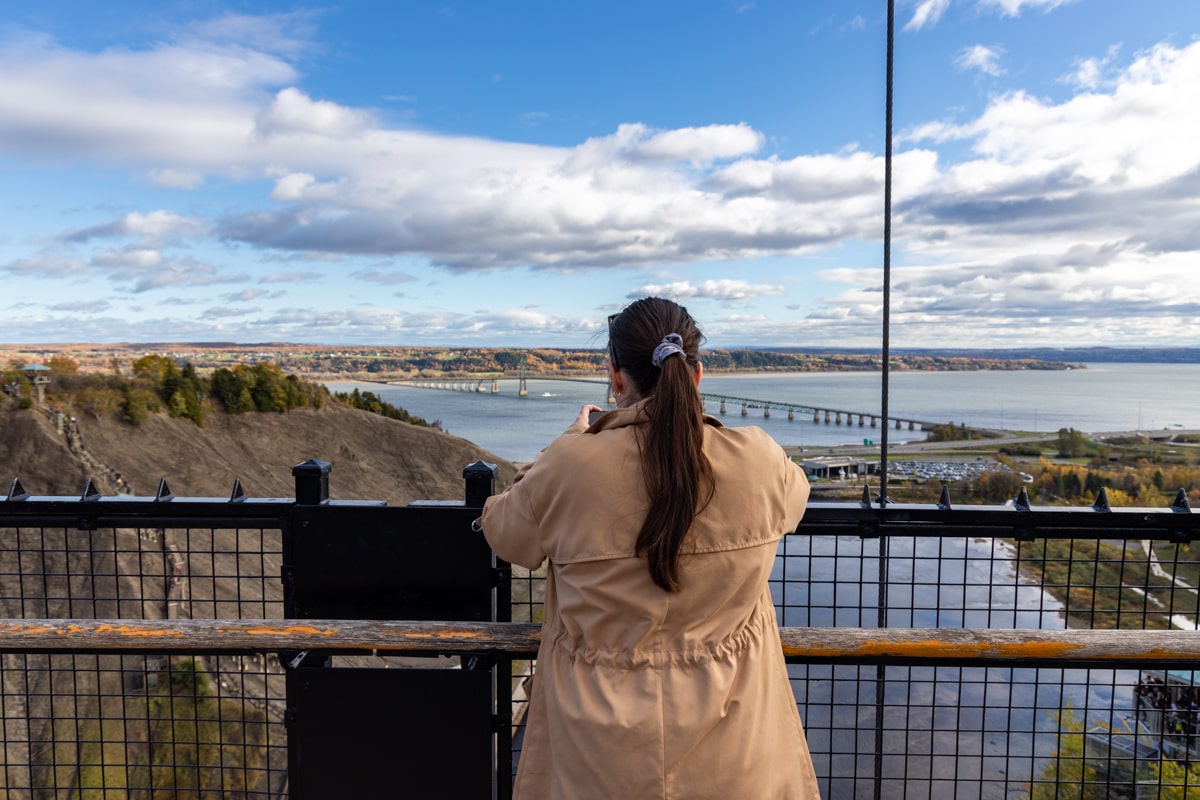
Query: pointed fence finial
[[1181, 503], [944, 500], [17, 492], [164, 492], [237, 495], [1101, 503], [1022, 502], [89, 491], [866, 498]]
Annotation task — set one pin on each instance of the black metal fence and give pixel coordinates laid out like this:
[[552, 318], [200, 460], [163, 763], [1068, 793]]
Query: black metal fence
[[100, 725], [200, 720]]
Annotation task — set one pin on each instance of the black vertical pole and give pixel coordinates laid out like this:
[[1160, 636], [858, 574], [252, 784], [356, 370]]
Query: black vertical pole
[[480, 478], [881, 618], [312, 489], [887, 255]]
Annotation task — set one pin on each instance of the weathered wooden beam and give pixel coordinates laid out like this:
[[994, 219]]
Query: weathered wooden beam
[[1124, 648], [264, 635]]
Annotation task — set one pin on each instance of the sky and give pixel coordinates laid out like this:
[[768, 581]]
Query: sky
[[477, 173]]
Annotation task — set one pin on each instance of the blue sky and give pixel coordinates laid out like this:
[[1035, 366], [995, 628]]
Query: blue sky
[[483, 173]]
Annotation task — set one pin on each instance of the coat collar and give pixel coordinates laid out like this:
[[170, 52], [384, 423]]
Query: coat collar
[[634, 415]]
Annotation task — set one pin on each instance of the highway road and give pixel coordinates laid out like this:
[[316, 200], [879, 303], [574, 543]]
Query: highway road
[[989, 445]]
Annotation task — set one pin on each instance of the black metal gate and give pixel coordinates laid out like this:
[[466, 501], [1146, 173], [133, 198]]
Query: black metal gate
[[418, 727]]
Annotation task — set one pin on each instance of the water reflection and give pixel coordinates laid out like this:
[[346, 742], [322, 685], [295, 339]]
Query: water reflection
[[946, 731]]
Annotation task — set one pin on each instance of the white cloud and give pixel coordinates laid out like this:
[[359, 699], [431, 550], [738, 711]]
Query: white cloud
[[724, 290], [286, 34], [293, 113], [174, 272], [1013, 8], [183, 104], [1091, 73], [1069, 221], [156, 226], [175, 178], [293, 186], [145, 269], [386, 277], [83, 306], [981, 57], [1088, 198], [699, 146], [137, 258], [289, 277], [1139, 134], [343, 183], [224, 312], [244, 296], [46, 264], [927, 13]]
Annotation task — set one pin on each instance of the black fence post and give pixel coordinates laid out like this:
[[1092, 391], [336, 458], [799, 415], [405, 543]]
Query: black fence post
[[312, 482], [480, 479], [312, 489]]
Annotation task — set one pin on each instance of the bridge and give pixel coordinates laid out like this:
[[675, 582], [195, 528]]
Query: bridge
[[490, 384]]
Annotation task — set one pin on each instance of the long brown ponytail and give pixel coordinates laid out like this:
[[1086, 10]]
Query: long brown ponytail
[[677, 474]]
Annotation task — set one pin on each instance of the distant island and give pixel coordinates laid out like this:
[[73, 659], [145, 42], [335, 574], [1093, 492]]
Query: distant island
[[341, 362]]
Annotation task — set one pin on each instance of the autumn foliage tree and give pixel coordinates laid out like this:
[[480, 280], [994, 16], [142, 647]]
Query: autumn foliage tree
[[263, 387]]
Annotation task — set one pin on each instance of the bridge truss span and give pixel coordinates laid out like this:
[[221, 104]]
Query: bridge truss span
[[490, 384], [824, 414]]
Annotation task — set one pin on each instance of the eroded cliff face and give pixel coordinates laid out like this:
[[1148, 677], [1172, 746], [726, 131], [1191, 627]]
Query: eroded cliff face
[[31, 449], [374, 458], [137, 726]]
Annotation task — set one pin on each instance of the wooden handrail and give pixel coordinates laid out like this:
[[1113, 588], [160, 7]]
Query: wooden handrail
[[1116, 648]]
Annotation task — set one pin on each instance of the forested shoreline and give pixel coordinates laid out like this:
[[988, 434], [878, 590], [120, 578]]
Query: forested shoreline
[[321, 362]]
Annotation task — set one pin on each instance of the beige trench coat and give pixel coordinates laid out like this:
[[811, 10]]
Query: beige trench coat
[[638, 692]]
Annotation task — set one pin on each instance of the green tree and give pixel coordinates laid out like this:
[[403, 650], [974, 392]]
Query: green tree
[[1175, 781], [369, 401], [270, 390], [100, 401], [1071, 443], [1069, 775], [232, 388], [139, 405], [62, 365], [177, 406], [155, 369]]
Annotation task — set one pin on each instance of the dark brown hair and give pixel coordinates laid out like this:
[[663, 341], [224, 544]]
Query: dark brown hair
[[677, 474]]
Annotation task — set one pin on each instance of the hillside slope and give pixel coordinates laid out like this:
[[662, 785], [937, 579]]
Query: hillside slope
[[134, 726], [374, 458]]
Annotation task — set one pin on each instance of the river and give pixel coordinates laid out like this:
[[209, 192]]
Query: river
[[1100, 398]]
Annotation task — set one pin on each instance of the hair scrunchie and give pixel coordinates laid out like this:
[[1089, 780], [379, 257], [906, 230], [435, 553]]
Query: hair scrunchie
[[671, 344]]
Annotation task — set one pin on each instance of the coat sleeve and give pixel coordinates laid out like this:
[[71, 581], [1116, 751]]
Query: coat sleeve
[[510, 523]]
